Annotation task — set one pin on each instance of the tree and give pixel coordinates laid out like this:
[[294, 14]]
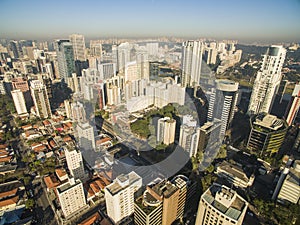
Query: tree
[[29, 204]]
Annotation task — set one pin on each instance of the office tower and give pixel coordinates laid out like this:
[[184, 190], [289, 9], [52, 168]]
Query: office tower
[[78, 43], [267, 134], [119, 196], [19, 102], [181, 182], [107, 70], [74, 162], [189, 135], [113, 95], [86, 136], [267, 80], [222, 102], [221, 205], [209, 137], [71, 198], [21, 84], [191, 63], [65, 58], [96, 48], [123, 56], [293, 107], [166, 130], [290, 189], [40, 99]]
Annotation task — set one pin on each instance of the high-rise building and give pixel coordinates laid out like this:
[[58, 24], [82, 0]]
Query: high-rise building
[[19, 102], [86, 136], [290, 189], [294, 105], [191, 63], [267, 134], [222, 102], [163, 201], [189, 135], [152, 49], [40, 99], [123, 56], [209, 137], [210, 55], [119, 196], [74, 161], [65, 58], [78, 43], [221, 205], [96, 48], [14, 47], [267, 81], [77, 112], [20, 83], [71, 198], [113, 95], [107, 70], [166, 130], [142, 64]]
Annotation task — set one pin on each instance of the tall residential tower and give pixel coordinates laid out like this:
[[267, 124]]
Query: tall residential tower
[[267, 80]]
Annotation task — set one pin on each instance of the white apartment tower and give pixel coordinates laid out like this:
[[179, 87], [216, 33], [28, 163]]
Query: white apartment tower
[[166, 130], [221, 205], [267, 80], [19, 102], [86, 136], [222, 102], [119, 196], [78, 43], [191, 63], [40, 99], [75, 162], [71, 197], [189, 135]]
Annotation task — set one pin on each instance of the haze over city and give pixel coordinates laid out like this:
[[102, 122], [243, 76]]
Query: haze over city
[[247, 21]]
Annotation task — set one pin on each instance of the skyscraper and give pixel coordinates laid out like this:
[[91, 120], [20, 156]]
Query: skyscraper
[[191, 63], [65, 58], [267, 80], [166, 130], [40, 99], [74, 162], [86, 136], [19, 102], [293, 107], [267, 134], [119, 196], [222, 101], [78, 44], [189, 135], [221, 205]]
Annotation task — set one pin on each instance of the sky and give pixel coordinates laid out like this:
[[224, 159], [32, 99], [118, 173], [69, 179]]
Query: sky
[[256, 20]]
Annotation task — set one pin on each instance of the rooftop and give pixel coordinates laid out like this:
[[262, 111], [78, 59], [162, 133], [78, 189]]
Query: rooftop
[[163, 189], [236, 171], [270, 122], [122, 181], [225, 200]]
